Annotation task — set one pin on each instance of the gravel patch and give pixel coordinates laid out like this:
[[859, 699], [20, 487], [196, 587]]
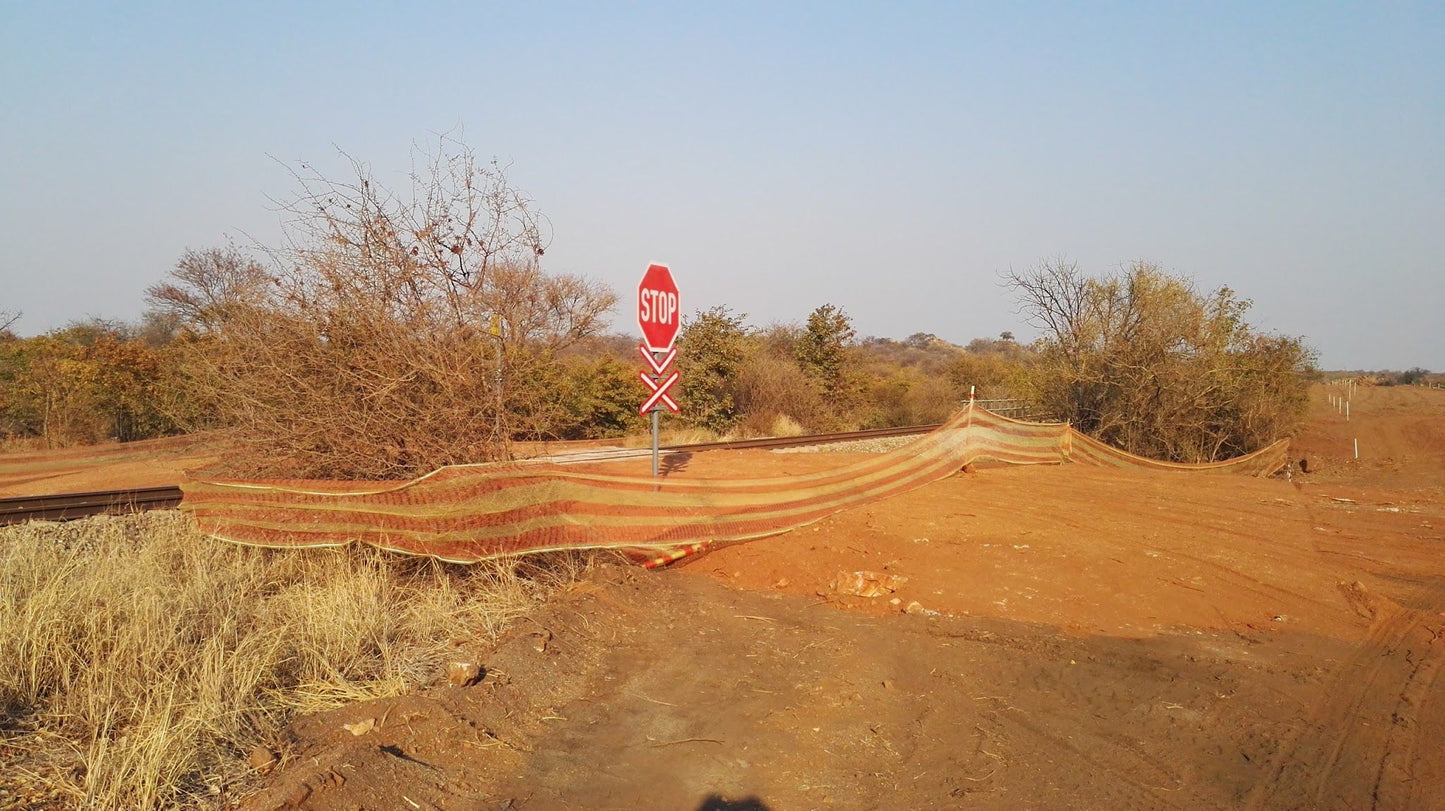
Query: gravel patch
[[880, 445]]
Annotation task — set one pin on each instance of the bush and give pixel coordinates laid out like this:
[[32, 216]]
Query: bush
[[771, 391], [395, 335], [828, 358], [711, 349], [908, 396], [989, 374], [599, 396], [1413, 376], [89, 382], [1146, 363]]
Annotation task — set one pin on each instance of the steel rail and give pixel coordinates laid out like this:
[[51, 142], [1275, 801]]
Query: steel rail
[[805, 439], [69, 506]]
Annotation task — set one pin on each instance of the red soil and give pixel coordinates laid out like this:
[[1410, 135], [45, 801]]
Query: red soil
[[1082, 638]]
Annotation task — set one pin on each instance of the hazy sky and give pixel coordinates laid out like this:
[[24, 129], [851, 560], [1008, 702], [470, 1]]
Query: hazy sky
[[891, 159]]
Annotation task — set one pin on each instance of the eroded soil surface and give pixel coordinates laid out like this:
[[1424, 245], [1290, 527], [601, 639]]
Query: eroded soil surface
[[1078, 638]]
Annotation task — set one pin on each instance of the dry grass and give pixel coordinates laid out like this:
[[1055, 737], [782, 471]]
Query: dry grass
[[676, 434], [783, 425], [20, 444], [140, 662]]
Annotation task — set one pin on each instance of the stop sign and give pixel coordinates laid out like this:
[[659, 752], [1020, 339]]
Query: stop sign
[[659, 314]]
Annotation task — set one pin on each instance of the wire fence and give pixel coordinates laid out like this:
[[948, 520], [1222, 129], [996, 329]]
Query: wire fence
[[1013, 409]]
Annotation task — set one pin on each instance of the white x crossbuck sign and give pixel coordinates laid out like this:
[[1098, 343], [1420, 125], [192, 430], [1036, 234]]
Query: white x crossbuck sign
[[659, 392]]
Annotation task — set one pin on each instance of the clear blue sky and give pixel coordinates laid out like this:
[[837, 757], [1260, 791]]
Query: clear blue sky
[[891, 159]]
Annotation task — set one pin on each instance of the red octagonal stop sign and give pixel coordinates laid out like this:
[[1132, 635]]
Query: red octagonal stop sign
[[659, 312]]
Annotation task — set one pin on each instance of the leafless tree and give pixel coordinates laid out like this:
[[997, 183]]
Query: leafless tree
[[398, 332], [208, 286]]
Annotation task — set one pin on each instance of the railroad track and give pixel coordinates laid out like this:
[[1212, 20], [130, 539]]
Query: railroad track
[[808, 439], [617, 454], [69, 506]]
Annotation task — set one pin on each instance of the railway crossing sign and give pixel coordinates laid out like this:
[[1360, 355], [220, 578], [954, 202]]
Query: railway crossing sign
[[659, 317], [659, 381], [659, 311], [658, 364], [659, 393]]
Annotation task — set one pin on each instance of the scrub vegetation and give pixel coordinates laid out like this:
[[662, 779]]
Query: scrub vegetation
[[144, 663], [398, 330], [1145, 362]]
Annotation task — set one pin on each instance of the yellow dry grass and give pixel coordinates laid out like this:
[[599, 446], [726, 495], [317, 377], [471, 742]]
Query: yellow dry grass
[[140, 662], [670, 435], [783, 425]]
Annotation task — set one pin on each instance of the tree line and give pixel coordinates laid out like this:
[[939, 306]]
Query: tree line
[[395, 331]]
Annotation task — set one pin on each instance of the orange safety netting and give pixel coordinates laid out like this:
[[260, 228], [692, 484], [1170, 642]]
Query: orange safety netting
[[469, 513]]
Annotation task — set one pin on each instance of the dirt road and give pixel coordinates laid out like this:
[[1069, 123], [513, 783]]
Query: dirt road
[[1081, 638], [1077, 637]]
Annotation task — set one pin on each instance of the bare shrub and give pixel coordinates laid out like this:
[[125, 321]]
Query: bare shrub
[[143, 661], [207, 287], [398, 333], [770, 388], [1145, 362]]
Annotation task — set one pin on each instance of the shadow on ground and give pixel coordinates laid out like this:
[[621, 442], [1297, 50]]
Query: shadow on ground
[[657, 689]]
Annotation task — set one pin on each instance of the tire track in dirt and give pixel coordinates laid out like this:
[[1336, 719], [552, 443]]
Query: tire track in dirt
[[1372, 728], [1114, 767], [1120, 788], [1245, 582]]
